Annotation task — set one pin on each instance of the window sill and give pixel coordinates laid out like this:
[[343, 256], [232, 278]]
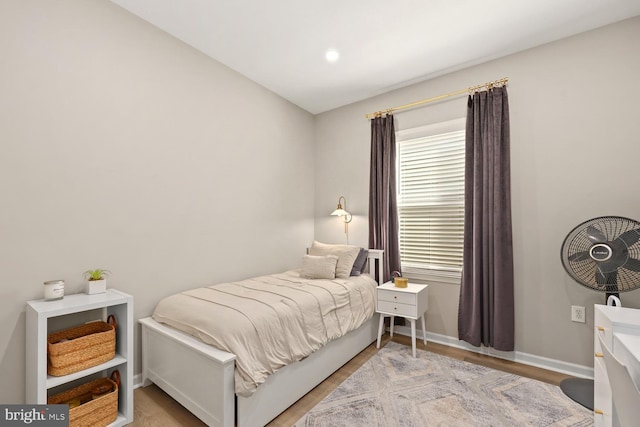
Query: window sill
[[430, 275]]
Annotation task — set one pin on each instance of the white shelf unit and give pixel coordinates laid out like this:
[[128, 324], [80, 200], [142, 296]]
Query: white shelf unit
[[38, 316]]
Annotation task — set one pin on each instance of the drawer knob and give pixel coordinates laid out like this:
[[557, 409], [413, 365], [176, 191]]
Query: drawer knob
[[395, 297], [600, 328], [598, 411], [599, 354]]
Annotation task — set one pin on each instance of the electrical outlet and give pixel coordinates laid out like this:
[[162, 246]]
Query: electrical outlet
[[578, 314]]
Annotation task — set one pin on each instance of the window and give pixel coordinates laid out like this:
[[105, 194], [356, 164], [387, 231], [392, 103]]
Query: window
[[431, 200]]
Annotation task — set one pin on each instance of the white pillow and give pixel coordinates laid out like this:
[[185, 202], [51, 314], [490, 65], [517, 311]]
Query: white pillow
[[319, 267], [346, 254]]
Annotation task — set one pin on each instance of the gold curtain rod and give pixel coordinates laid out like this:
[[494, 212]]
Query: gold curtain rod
[[470, 90]]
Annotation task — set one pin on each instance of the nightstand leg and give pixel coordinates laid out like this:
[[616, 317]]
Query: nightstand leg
[[391, 325], [380, 326], [424, 330], [413, 337]]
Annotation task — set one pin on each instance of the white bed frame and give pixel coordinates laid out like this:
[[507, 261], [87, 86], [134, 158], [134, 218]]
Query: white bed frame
[[201, 377]]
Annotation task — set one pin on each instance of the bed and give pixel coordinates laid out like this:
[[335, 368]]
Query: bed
[[219, 386]]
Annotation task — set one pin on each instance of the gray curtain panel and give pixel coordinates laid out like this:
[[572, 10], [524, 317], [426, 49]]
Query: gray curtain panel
[[383, 211], [485, 313]]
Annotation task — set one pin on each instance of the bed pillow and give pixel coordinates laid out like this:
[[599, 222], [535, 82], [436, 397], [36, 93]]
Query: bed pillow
[[346, 256], [359, 263], [319, 267]]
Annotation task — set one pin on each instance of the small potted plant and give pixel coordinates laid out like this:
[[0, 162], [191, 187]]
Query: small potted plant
[[96, 280]]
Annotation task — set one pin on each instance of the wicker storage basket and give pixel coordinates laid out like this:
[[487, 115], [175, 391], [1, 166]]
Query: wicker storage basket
[[82, 347], [91, 410]]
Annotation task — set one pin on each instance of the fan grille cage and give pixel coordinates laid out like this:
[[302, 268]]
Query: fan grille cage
[[584, 271]]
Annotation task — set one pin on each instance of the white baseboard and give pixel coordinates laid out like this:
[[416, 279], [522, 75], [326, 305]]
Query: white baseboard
[[137, 381], [515, 356]]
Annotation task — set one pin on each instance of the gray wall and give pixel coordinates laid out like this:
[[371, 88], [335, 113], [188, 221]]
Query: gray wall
[[122, 148], [575, 150]]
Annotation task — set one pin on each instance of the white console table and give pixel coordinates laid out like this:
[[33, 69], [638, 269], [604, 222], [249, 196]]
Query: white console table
[[620, 330]]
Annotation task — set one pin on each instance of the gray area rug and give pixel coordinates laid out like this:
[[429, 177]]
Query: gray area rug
[[394, 389]]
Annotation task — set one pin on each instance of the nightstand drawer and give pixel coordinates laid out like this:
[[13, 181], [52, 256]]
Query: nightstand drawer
[[397, 309], [397, 296]]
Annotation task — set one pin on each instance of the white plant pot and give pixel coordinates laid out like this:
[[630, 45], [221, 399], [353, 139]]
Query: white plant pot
[[96, 286]]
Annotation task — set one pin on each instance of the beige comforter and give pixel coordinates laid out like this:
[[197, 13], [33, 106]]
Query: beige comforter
[[270, 321]]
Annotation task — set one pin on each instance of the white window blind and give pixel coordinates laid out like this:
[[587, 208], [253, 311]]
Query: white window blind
[[431, 205]]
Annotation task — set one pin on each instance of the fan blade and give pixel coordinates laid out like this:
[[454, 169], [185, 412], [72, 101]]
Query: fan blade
[[632, 264], [579, 256], [612, 282], [595, 235], [630, 237], [608, 278]]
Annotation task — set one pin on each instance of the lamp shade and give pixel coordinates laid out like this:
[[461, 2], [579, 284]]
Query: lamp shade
[[340, 212]]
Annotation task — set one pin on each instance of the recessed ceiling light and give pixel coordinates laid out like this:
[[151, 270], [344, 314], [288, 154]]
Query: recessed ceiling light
[[332, 55]]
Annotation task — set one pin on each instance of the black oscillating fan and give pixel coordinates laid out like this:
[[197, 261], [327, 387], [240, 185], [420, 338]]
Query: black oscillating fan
[[601, 254]]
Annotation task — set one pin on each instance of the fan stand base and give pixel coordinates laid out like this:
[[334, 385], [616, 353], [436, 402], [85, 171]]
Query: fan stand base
[[579, 390]]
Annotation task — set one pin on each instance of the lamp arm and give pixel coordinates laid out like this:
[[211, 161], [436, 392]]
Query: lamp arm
[[348, 217]]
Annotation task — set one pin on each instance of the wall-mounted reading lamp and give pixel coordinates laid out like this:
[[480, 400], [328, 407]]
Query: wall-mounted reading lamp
[[346, 216]]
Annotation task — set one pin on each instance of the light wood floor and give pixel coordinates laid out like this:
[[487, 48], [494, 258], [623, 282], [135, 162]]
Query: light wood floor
[[154, 408]]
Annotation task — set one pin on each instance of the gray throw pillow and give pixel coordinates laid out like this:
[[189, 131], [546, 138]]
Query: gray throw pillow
[[359, 263]]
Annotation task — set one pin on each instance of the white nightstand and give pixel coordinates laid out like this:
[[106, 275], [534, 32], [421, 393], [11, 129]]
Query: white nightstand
[[410, 302]]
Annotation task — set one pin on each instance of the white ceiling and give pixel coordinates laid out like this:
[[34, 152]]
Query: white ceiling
[[383, 45]]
